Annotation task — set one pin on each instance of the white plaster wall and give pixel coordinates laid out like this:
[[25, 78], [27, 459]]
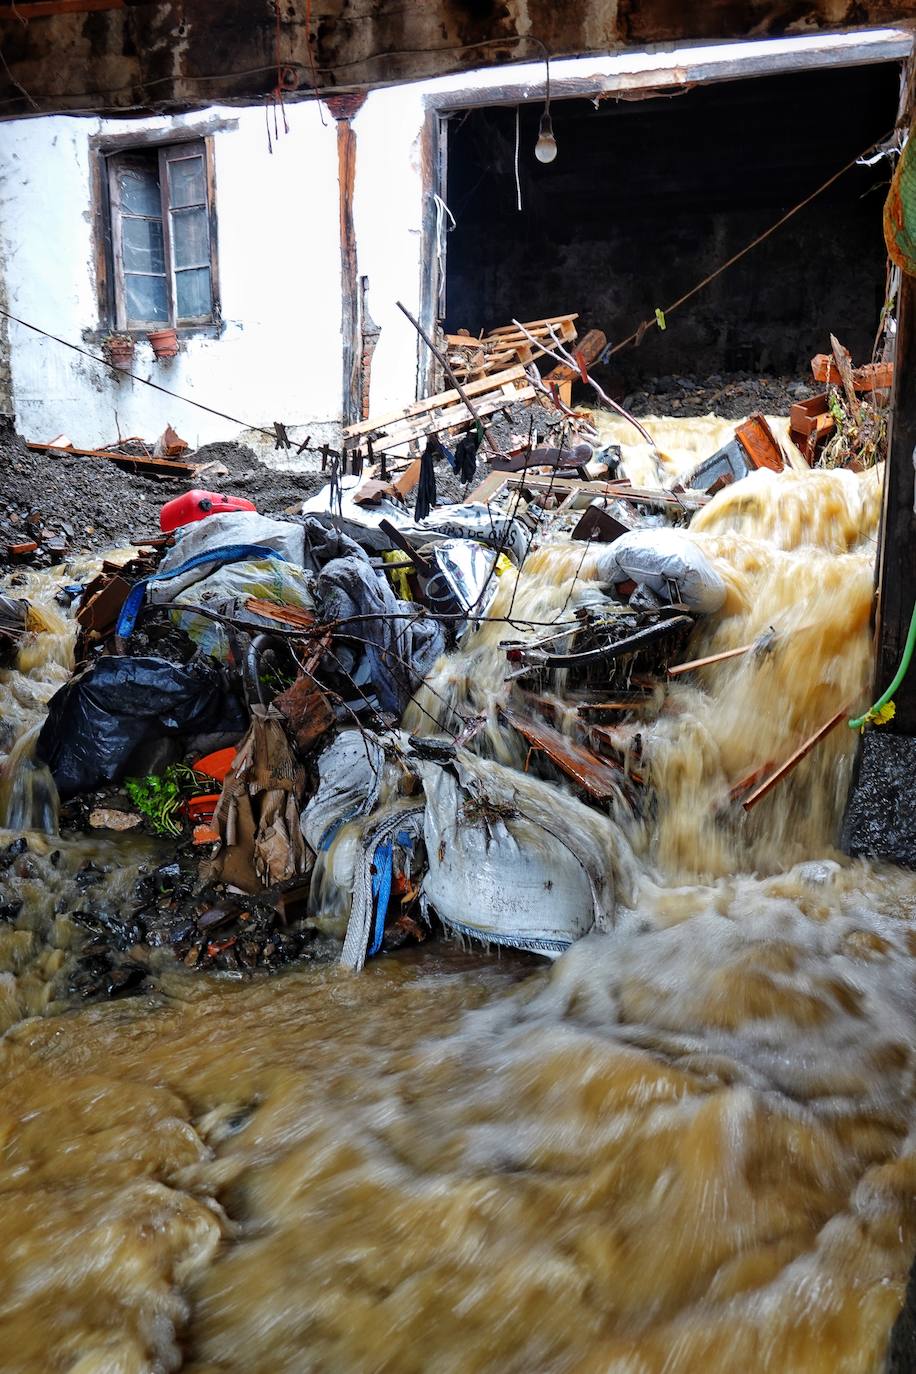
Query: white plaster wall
[[279, 357], [279, 264]]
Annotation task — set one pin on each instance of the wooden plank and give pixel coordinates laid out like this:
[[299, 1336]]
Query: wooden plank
[[599, 779], [680, 668], [794, 759], [897, 549], [491, 484], [167, 467], [449, 419], [443, 398], [287, 615], [562, 485], [533, 325], [408, 479]]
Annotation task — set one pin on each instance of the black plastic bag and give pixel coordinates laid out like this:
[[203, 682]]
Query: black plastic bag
[[102, 715]]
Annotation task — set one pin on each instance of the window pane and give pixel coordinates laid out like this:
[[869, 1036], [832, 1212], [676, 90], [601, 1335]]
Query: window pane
[[191, 238], [192, 293], [141, 242], [146, 299], [186, 182], [139, 190]]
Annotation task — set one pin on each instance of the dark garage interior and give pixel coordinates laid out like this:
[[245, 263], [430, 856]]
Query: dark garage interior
[[646, 197]]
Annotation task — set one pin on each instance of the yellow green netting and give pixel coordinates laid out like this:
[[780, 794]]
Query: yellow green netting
[[900, 212]]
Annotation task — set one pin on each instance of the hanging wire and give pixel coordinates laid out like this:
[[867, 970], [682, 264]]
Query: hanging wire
[[145, 381], [518, 184]]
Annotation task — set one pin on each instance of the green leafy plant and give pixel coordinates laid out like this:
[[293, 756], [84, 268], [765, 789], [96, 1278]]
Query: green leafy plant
[[158, 797]]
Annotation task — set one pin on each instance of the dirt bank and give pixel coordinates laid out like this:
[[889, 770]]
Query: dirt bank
[[96, 505]]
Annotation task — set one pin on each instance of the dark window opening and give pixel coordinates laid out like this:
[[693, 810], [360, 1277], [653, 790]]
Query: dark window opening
[[163, 253], [647, 197]]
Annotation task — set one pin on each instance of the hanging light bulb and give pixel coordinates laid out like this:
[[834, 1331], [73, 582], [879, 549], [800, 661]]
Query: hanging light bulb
[[545, 150]]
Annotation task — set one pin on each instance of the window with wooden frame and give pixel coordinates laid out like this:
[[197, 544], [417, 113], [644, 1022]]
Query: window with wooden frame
[[163, 236]]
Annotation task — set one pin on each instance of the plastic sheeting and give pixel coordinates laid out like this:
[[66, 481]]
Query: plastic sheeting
[[241, 528], [100, 717], [399, 641], [268, 579], [513, 860], [667, 561]]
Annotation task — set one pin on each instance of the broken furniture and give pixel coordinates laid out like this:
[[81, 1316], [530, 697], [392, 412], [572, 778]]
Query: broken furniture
[[754, 446], [407, 428], [471, 359]]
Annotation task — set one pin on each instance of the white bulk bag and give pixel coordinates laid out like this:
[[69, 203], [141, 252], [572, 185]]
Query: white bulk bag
[[659, 558], [512, 860]]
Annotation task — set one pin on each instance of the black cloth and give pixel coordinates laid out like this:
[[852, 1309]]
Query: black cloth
[[465, 460], [426, 487]]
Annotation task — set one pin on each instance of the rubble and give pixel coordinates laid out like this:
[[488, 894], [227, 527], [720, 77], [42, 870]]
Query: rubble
[[243, 681]]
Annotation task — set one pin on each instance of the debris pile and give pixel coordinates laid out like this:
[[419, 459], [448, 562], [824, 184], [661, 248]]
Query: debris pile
[[259, 690]]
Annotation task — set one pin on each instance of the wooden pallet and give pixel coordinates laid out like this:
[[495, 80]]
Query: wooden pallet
[[446, 410], [472, 358]]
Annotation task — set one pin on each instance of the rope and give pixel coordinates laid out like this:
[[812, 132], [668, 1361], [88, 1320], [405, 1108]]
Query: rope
[[638, 333], [234, 419]]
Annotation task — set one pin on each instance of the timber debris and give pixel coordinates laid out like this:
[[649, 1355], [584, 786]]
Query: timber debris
[[262, 690]]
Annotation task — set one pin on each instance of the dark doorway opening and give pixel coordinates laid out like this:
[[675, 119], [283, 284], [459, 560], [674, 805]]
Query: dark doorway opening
[[646, 197]]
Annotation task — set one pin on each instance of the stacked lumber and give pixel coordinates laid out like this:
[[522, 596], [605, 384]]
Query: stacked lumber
[[408, 428], [471, 359]]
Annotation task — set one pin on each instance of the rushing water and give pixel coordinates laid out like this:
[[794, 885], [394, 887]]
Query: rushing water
[[688, 1146]]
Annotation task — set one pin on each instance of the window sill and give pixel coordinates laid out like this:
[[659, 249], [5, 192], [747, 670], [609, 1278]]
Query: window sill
[[190, 331]]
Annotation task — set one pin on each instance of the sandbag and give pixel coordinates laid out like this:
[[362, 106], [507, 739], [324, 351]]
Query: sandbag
[[237, 528], [477, 521], [97, 720], [349, 779], [513, 860], [667, 561]]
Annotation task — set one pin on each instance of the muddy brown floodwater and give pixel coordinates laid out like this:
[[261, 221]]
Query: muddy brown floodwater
[[686, 1148]]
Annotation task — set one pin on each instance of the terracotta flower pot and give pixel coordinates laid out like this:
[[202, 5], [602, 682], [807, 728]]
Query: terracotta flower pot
[[164, 342], [120, 352]]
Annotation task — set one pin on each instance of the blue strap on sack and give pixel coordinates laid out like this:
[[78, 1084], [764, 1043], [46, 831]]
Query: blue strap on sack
[[381, 891], [230, 553]]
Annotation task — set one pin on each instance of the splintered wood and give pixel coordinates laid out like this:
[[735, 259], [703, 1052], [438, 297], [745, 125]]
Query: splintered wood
[[471, 359], [444, 411]]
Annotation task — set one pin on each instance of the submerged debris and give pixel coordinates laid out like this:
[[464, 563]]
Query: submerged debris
[[259, 692]]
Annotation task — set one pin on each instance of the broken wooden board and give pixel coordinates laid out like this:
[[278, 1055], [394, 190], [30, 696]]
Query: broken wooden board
[[102, 603], [562, 486], [871, 377], [293, 616], [590, 347], [597, 524], [416, 428], [436, 402], [148, 466], [596, 777]]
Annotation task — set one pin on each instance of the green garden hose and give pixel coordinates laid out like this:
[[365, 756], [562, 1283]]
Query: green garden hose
[[872, 714]]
